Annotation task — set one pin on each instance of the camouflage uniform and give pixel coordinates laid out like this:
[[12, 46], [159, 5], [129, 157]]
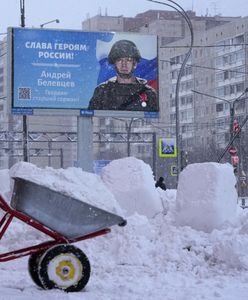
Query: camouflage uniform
[[111, 95]]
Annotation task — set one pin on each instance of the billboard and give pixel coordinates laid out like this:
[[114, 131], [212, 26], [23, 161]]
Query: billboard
[[60, 69]]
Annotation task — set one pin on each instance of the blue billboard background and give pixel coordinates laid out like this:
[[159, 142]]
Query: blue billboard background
[[60, 69]]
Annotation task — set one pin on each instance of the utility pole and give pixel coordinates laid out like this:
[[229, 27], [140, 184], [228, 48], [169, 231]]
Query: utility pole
[[233, 138], [232, 111], [24, 118], [183, 13], [231, 107]]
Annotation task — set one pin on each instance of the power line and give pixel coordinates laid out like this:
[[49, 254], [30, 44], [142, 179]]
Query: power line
[[204, 46], [209, 68]]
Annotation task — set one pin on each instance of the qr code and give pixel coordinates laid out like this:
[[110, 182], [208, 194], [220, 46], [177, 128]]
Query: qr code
[[24, 93]]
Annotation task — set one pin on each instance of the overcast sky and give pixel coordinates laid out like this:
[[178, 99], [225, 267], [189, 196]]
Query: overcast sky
[[72, 12]]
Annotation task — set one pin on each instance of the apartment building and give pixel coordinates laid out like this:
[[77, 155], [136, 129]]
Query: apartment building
[[214, 77]]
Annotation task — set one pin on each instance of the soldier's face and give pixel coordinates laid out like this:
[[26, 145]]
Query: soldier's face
[[125, 66]]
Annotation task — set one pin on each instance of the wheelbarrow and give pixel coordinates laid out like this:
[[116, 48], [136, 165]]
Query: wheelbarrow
[[55, 263]]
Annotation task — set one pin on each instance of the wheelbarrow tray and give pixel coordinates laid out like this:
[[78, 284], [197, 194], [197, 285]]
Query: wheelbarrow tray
[[66, 215]]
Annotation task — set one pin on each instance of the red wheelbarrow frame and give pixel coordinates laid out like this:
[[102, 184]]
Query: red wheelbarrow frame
[[58, 238]]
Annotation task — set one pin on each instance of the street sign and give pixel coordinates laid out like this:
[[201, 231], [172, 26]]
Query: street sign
[[235, 126], [233, 151], [235, 160], [22, 111], [151, 114], [99, 164], [86, 113], [167, 147], [243, 201], [173, 170]]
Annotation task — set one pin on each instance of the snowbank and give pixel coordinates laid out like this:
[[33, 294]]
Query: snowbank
[[132, 183], [206, 196], [73, 182], [150, 258], [4, 183]]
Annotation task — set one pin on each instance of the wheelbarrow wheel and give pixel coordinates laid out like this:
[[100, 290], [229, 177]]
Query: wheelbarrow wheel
[[33, 263], [64, 267]]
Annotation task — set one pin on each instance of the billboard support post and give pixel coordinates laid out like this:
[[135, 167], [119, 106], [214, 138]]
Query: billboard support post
[[154, 154], [85, 143]]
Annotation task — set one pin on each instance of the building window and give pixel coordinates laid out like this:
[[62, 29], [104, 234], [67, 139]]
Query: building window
[[240, 87], [227, 90], [172, 117], [232, 89], [225, 75], [172, 102], [220, 92], [102, 121], [219, 107]]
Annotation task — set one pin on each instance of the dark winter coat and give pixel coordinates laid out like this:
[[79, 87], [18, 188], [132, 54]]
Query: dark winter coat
[[111, 95], [160, 183]]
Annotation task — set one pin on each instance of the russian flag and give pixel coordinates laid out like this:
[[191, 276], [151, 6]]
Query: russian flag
[[147, 67]]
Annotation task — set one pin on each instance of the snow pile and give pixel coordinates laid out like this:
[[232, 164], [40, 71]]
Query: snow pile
[[150, 258], [206, 196], [73, 182], [132, 183], [4, 183]]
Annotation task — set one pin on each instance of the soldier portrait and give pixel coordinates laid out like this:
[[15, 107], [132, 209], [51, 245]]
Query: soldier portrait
[[125, 91]]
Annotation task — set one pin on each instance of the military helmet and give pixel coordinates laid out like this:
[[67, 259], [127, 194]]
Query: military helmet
[[123, 48]]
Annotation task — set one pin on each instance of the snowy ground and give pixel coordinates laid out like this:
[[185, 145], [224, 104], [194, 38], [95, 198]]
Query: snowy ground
[[153, 257]]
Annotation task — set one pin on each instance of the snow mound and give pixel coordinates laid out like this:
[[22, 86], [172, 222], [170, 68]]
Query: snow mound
[[4, 182], [206, 196], [132, 183], [73, 182]]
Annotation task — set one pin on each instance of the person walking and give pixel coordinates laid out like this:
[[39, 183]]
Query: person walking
[[160, 183]]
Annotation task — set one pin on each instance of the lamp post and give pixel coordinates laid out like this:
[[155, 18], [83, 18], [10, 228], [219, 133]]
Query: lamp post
[[22, 9], [128, 126], [52, 21], [24, 118], [183, 13]]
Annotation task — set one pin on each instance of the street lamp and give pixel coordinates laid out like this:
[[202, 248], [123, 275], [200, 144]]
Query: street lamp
[[24, 118], [52, 21], [183, 13], [22, 10], [129, 130]]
